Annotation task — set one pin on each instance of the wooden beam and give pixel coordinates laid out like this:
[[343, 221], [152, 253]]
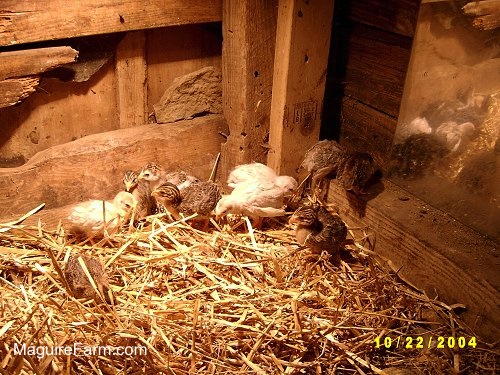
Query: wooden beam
[[24, 21], [34, 61], [300, 67], [14, 90], [92, 167], [249, 33], [429, 249], [131, 80]]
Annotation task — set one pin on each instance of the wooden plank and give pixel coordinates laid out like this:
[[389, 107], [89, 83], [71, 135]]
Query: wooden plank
[[376, 68], [57, 113], [24, 21], [430, 249], [14, 90], [34, 61], [300, 68], [131, 80], [249, 33], [190, 48], [398, 16], [92, 167], [367, 129]]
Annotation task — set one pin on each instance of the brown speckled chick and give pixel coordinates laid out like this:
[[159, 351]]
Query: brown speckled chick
[[322, 160], [79, 282], [319, 229], [355, 170], [146, 204], [197, 198]]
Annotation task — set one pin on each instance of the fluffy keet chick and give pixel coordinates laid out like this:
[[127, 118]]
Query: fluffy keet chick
[[96, 215], [319, 229]]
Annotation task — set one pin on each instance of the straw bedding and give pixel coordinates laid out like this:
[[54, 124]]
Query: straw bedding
[[224, 302]]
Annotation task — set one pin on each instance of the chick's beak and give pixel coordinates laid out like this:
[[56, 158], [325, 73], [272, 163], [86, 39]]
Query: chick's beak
[[128, 186]]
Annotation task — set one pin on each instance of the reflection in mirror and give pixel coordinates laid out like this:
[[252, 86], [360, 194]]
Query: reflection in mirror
[[447, 149]]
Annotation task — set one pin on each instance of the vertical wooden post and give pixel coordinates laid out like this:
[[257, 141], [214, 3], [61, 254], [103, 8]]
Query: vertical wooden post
[[131, 80], [249, 34], [300, 66]]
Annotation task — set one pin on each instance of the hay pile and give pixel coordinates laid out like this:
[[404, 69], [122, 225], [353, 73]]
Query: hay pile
[[218, 303]]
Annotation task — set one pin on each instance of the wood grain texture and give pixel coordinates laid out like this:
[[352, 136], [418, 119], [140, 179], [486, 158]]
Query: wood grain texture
[[300, 68], [190, 48], [14, 90], [131, 80], [367, 129], [34, 61], [92, 167], [431, 251], [377, 62], [249, 32], [24, 21], [58, 112], [397, 16]]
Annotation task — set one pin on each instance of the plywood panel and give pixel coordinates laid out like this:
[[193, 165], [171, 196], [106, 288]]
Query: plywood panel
[[92, 167], [24, 21], [175, 51]]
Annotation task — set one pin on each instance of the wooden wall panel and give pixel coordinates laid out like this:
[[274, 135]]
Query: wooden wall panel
[[397, 16], [25, 21], [58, 112], [376, 68], [175, 51]]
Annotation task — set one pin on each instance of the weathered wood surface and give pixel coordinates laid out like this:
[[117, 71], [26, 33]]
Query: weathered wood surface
[[398, 16], [58, 112], [300, 68], [24, 21], [92, 167], [190, 47], [131, 80], [34, 61], [367, 129], [431, 250], [377, 62], [249, 32], [15, 90]]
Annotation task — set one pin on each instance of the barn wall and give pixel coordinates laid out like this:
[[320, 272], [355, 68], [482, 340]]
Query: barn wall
[[60, 112], [369, 55]]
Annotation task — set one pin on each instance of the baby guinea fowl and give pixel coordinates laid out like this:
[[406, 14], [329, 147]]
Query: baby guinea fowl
[[197, 198], [96, 215], [319, 229], [146, 204], [322, 160], [78, 281], [155, 175], [355, 170]]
